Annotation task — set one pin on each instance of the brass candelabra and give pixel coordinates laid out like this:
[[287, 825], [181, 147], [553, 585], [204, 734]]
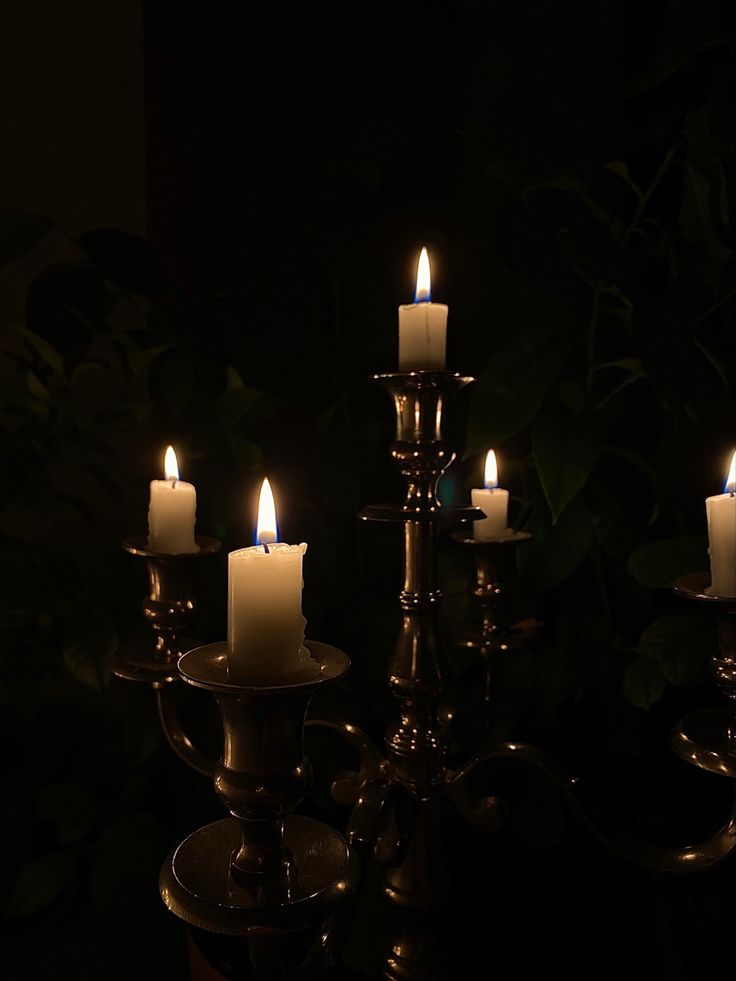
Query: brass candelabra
[[265, 873]]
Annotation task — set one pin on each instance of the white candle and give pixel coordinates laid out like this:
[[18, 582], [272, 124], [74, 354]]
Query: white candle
[[493, 501], [265, 630], [172, 511], [721, 511], [422, 326]]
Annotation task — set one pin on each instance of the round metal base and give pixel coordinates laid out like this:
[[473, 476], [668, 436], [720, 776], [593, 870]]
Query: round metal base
[[138, 545], [138, 662], [696, 586], [196, 885], [708, 739]]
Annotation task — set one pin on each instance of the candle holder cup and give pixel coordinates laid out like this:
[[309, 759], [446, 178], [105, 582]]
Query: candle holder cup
[[264, 869], [167, 609], [490, 632]]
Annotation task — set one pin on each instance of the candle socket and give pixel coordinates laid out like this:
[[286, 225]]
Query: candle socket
[[263, 868], [495, 564], [708, 738], [490, 632], [167, 609]]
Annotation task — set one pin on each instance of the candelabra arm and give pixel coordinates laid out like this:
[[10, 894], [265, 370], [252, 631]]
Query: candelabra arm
[[181, 744], [370, 760], [690, 858], [366, 790]]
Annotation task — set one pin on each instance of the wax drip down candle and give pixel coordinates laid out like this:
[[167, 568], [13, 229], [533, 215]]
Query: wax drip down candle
[[265, 635], [721, 512], [172, 510], [422, 326], [493, 501]]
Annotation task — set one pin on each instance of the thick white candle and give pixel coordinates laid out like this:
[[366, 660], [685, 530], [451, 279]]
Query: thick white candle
[[494, 502], [265, 633], [422, 326], [721, 511], [172, 511]]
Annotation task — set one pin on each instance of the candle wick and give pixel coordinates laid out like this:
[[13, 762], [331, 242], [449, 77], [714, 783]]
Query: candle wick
[[173, 482], [266, 549]]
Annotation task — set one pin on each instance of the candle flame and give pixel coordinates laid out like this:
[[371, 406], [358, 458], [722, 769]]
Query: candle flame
[[267, 529], [491, 472], [171, 466], [423, 292], [730, 486]]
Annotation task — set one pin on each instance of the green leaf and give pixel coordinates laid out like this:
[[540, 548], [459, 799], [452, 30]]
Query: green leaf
[[658, 564], [644, 681], [696, 221], [235, 403], [47, 352], [36, 387], [621, 169], [69, 808], [20, 233], [246, 454], [87, 652], [626, 364], [557, 550], [565, 451], [681, 644], [41, 882], [511, 389]]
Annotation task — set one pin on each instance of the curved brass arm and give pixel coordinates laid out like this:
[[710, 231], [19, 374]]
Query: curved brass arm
[[690, 858], [371, 764], [181, 744], [367, 790]]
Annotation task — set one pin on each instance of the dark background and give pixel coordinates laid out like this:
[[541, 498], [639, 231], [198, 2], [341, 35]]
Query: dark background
[[211, 214]]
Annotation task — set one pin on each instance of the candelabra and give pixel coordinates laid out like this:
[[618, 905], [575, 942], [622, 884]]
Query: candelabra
[[267, 874], [415, 766]]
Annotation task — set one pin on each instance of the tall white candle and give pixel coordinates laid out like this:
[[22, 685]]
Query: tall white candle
[[172, 511], [265, 633], [422, 326], [721, 511], [493, 501]]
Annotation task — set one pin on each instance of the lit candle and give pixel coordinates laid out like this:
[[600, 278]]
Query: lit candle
[[493, 501], [172, 510], [422, 326], [721, 511], [265, 625]]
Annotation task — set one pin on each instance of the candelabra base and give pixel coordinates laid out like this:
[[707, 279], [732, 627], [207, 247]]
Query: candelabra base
[[197, 885]]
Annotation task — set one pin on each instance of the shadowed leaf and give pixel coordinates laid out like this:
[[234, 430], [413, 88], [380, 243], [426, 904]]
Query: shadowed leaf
[[565, 451], [41, 882], [658, 564]]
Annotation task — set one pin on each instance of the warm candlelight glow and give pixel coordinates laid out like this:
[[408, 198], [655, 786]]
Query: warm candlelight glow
[[267, 530], [423, 293], [491, 474], [171, 467], [730, 486]]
